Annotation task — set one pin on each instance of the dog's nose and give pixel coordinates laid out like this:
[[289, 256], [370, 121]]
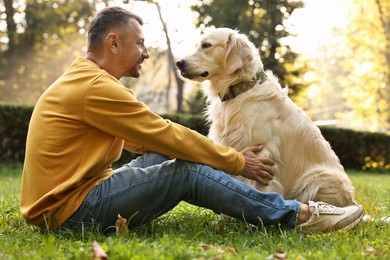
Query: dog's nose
[[180, 63]]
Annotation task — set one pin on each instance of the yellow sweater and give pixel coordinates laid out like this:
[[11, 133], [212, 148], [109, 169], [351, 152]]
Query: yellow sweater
[[78, 129]]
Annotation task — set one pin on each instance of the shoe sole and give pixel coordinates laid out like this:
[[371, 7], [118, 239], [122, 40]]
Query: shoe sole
[[351, 225]]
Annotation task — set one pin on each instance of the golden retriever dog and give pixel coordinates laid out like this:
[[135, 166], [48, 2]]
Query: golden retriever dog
[[247, 106]]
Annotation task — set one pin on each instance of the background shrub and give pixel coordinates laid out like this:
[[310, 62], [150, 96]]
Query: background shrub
[[14, 122]]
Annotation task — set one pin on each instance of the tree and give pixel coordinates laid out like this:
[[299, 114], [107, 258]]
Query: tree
[[172, 67], [11, 27], [43, 37], [367, 86], [151, 87], [384, 17], [196, 103], [264, 22], [40, 45]]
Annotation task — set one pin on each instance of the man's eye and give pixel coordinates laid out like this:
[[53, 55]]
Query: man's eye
[[206, 45]]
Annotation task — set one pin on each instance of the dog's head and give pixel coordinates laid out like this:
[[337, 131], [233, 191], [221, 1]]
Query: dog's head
[[220, 54]]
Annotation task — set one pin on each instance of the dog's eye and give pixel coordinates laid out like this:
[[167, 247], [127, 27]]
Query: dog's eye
[[206, 45]]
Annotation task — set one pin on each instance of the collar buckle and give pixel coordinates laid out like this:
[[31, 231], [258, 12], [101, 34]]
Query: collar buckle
[[243, 86]]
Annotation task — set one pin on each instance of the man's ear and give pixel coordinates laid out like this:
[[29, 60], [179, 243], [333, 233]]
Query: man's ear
[[112, 43], [238, 52]]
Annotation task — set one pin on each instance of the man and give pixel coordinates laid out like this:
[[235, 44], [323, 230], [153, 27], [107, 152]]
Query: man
[[83, 121]]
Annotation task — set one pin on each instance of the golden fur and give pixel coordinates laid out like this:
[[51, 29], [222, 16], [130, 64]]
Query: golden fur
[[306, 168]]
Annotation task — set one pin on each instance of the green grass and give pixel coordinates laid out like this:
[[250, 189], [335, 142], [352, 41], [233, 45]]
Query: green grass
[[178, 234]]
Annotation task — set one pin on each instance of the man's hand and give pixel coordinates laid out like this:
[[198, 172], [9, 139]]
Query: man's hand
[[257, 168]]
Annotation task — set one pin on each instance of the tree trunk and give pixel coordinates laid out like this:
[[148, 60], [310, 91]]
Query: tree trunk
[[179, 81], [11, 27]]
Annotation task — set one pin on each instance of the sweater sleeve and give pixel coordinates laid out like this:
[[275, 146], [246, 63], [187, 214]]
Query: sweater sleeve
[[113, 109]]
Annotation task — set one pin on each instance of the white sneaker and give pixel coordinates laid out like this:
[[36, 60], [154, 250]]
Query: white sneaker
[[326, 217]]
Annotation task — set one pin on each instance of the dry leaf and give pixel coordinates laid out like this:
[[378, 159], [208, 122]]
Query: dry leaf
[[98, 252], [219, 250], [205, 247], [279, 255], [121, 226], [372, 251], [231, 250]]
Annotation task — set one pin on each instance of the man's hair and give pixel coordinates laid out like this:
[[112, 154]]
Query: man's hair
[[107, 19]]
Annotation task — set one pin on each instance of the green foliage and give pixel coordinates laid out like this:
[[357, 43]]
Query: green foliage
[[351, 155], [179, 233], [377, 156], [196, 122], [50, 22], [51, 34], [367, 61], [14, 122], [197, 102], [360, 150], [264, 22]]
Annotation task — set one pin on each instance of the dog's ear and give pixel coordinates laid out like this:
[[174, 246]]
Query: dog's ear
[[238, 53]]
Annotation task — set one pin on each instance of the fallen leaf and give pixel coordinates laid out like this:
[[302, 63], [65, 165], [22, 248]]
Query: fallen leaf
[[121, 226], [279, 255], [372, 251], [98, 252], [219, 250], [205, 247], [231, 250]]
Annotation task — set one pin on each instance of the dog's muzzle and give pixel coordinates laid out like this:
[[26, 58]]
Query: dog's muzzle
[[181, 64]]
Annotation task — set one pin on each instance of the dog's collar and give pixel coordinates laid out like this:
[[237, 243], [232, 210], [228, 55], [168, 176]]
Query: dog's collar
[[243, 86]]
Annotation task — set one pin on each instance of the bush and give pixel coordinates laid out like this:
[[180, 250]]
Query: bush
[[348, 145], [14, 122], [360, 150], [195, 122], [356, 150], [377, 152]]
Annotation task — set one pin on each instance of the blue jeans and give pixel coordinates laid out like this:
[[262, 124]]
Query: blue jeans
[[151, 185]]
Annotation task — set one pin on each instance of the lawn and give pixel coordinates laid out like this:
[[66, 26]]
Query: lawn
[[189, 232]]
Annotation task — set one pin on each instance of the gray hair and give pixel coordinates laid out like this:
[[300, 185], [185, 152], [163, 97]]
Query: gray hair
[[107, 19]]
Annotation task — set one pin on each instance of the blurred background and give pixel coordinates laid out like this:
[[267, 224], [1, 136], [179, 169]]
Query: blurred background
[[333, 54]]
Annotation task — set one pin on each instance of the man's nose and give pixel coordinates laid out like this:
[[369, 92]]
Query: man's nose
[[145, 53]]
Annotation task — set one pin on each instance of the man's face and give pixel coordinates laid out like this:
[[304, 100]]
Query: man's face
[[132, 51]]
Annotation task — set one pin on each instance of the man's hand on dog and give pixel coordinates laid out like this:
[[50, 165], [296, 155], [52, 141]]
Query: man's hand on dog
[[257, 168]]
